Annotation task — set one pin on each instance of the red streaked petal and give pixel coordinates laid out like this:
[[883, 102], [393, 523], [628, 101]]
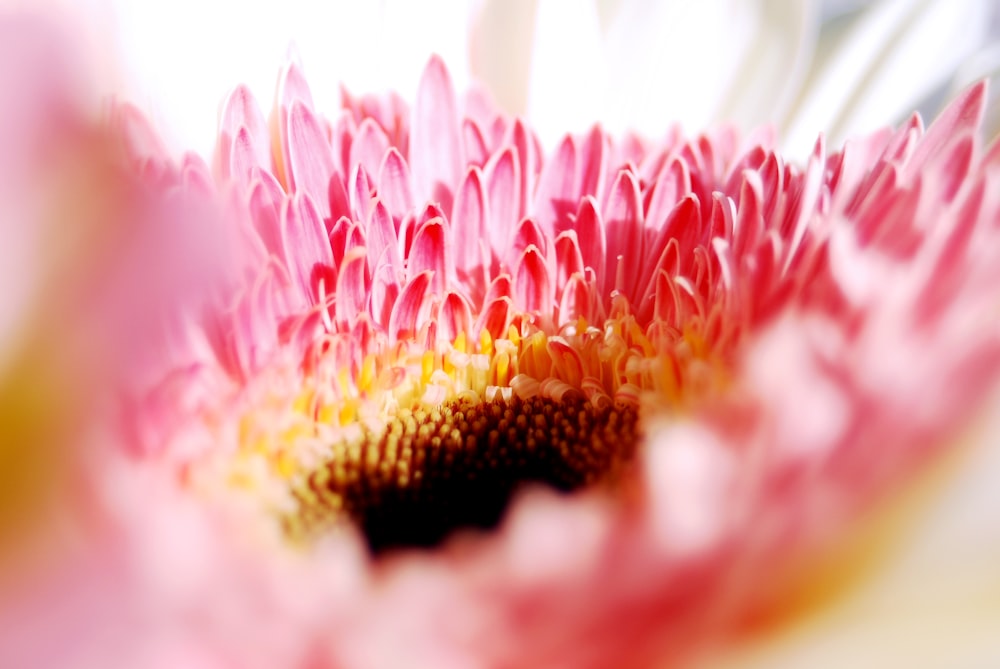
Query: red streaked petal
[[411, 308], [369, 146], [381, 236], [266, 200], [567, 361], [305, 241], [352, 288], [520, 138], [569, 260], [576, 300], [527, 233], [360, 194], [532, 288], [385, 291], [454, 317], [435, 143], [430, 251], [501, 286], [963, 115], [469, 216], [495, 317], [593, 163], [310, 162], [590, 235], [623, 220], [243, 130], [394, 185], [476, 152], [557, 194], [503, 187]]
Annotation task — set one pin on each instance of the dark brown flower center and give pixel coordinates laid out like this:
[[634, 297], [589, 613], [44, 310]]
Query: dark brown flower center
[[432, 472]]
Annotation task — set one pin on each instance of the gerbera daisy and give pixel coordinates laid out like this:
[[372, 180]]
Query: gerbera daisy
[[390, 324]]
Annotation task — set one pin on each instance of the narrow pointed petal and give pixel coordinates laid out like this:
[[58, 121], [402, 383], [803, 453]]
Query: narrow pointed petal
[[369, 146], [431, 253], [360, 194], [352, 288], [532, 288], [435, 142], [469, 215], [454, 318], [394, 183], [310, 163], [266, 201], [569, 260], [495, 317], [305, 242], [503, 185], [243, 130], [591, 236], [623, 220], [381, 238], [411, 308], [557, 194]]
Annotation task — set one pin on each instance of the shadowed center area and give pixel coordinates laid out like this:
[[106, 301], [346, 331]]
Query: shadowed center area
[[431, 472]]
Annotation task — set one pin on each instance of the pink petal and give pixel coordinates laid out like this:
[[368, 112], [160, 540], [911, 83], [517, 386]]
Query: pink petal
[[590, 234], [242, 122], [435, 143], [963, 115], [593, 164], [527, 233], [476, 151], [381, 236], [266, 201], [454, 317], [520, 138], [569, 260], [304, 238], [411, 308], [501, 286], [342, 140], [361, 193], [369, 146], [394, 185], [469, 217], [532, 288], [557, 194], [576, 300], [352, 288], [430, 253], [385, 291], [503, 185], [623, 220], [495, 317], [310, 163]]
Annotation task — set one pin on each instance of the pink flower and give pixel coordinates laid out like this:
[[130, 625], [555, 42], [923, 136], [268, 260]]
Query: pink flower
[[728, 358]]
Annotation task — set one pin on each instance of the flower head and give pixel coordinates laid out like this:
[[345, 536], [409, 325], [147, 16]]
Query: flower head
[[394, 321]]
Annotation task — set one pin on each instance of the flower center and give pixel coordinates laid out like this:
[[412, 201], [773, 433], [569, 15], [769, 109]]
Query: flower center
[[433, 471]]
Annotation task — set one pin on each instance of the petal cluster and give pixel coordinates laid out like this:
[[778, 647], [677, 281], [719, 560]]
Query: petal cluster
[[798, 339]]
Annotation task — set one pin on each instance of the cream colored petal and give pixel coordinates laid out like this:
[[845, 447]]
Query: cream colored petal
[[895, 54]]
